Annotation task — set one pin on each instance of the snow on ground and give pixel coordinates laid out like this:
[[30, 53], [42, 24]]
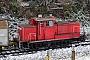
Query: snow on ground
[[82, 53]]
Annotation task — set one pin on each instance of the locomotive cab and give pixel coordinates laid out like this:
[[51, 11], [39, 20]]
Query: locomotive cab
[[45, 28]]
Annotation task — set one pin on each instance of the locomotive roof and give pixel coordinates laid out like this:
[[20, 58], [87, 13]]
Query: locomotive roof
[[44, 19], [66, 22]]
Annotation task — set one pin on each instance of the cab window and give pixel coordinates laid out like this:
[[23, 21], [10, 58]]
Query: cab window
[[49, 23], [42, 24]]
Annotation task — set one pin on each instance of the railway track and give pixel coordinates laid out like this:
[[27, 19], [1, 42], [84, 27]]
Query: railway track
[[16, 52], [77, 43]]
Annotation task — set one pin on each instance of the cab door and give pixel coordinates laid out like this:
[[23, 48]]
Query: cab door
[[40, 31], [49, 30]]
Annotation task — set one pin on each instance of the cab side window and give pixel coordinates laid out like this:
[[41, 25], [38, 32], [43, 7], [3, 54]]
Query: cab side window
[[49, 23], [42, 24]]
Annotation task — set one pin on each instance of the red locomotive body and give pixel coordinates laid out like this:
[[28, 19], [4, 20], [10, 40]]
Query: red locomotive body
[[45, 29]]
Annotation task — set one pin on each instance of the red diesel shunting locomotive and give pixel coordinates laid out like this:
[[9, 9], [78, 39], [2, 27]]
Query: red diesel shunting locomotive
[[46, 31], [41, 29]]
